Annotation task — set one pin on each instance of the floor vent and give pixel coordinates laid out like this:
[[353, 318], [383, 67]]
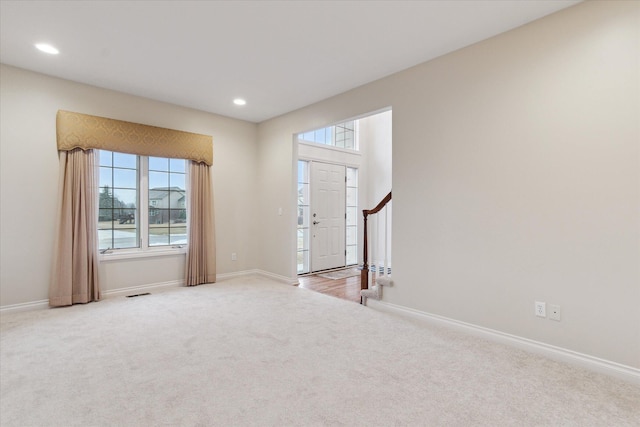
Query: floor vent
[[138, 295]]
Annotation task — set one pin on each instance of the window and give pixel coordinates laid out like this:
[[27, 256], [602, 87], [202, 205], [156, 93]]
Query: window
[[342, 135], [303, 217], [352, 217], [142, 201]]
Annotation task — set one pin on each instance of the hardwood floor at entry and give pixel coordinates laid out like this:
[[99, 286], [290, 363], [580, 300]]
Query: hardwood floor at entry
[[348, 288]]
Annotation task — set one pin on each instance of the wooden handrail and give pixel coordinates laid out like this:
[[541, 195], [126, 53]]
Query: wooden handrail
[[364, 274], [379, 207]]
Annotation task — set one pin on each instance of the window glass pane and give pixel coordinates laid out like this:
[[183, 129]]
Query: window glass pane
[[352, 196], [176, 199], [122, 160], [352, 256], [158, 180], [158, 216], [303, 175], [105, 216], [352, 177], [125, 198], [303, 238], [105, 177], [177, 165], [158, 164], [319, 136], [178, 236], [303, 262], [125, 178], [352, 236], [176, 180], [179, 216], [125, 238], [105, 158], [303, 216], [158, 236], [348, 142], [124, 217], [303, 194], [105, 238], [352, 215]]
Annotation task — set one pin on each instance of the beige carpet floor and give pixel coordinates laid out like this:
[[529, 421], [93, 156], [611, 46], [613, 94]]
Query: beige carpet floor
[[249, 351]]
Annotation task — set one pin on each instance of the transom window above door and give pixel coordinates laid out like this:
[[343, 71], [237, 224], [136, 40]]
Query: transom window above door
[[342, 135]]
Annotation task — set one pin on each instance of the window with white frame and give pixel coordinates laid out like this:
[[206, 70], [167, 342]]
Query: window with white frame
[[352, 217], [303, 217], [142, 201], [342, 135]]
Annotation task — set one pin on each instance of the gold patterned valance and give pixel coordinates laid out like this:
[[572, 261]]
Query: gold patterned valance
[[75, 130]]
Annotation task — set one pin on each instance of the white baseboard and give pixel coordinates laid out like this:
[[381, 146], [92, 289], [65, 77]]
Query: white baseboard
[[623, 372], [41, 304], [142, 288], [37, 305], [25, 306], [258, 272], [279, 278]]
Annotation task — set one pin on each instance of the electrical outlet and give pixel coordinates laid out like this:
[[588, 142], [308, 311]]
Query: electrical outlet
[[234, 257], [554, 312], [541, 309]]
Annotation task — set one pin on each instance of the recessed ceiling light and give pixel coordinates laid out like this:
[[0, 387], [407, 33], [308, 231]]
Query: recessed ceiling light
[[47, 48], [239, 101]]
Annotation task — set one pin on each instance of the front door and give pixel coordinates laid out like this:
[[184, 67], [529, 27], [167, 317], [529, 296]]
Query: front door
[[327, 216]]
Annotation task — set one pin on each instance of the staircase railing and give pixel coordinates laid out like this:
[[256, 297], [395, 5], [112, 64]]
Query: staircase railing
[[364, 274]]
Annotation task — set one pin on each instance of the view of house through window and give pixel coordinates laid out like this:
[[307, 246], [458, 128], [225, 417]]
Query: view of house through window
[[142, 201]]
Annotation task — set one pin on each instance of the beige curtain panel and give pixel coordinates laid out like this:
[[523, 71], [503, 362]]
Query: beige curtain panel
[[74, 277], [201, 255], [75, 130]]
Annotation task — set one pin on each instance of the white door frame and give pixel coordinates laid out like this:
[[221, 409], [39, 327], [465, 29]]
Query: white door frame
[[327, 216]]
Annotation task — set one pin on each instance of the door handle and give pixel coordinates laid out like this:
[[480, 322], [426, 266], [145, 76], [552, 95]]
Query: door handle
[[316, 222]]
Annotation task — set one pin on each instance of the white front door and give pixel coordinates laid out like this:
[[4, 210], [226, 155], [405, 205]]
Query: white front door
[[327, 216]]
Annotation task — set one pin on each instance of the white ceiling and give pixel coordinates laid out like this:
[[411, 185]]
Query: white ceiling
[[278, 55]]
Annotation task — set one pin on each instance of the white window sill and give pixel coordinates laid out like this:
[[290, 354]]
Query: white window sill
[[117, 255]]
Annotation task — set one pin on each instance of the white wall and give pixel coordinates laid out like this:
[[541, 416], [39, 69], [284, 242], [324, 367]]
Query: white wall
[[376, 143], [516, 178], [29, 171]]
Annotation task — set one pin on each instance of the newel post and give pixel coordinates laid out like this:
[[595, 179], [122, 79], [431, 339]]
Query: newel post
[[364, 274]]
